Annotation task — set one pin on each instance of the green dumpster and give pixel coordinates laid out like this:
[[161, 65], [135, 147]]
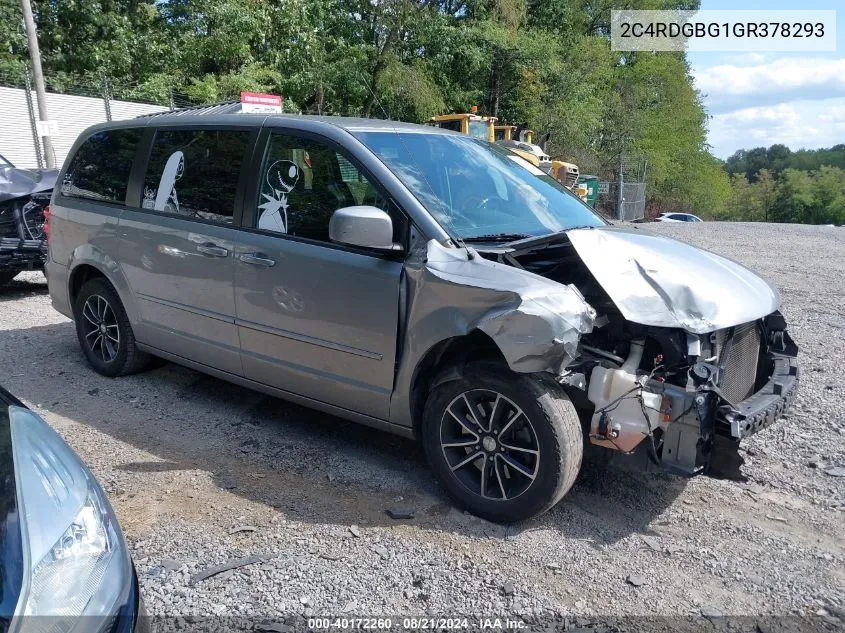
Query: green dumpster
[[591, 183]]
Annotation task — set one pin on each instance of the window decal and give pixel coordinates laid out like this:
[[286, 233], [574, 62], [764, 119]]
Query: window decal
[[165, 196], [67, 183], [282, 177]]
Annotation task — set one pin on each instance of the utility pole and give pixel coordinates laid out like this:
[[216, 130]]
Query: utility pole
[[38, 76]]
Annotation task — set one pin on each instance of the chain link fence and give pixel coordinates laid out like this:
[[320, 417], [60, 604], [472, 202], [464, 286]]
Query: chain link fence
[[630, 188]]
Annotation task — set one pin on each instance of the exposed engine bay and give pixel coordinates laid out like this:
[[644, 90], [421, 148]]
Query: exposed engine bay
[[24, 195], [22, 241], [683, 398]]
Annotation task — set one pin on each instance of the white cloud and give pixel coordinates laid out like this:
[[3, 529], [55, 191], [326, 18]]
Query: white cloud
[[807, 124], [740, 85], [836, 114], [781, 113]]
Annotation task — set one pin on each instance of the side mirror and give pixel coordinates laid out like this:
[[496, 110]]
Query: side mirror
[[365, 226]]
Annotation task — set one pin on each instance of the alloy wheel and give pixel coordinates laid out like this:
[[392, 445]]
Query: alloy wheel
[[489, 444], [102, 333]]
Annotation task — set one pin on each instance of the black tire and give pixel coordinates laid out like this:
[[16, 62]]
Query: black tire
[[116, 354], [7, 275], [553, 430]]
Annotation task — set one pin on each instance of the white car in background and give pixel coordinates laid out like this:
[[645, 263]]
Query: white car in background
[[677, 217]]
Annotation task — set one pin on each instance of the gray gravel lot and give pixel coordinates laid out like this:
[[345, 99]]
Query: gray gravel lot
[[202, 472]]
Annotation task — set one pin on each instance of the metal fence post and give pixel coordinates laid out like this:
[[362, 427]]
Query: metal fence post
[[620, 212], [36, 142], [106, 98]]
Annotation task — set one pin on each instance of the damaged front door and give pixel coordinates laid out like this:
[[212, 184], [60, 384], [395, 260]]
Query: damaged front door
[[314, 318]]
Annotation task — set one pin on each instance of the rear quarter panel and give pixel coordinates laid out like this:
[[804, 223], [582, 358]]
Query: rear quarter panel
[[85, 232]]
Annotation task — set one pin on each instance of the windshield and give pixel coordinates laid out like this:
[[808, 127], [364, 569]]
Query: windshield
[[476, 189], [4, 163], [479, 130]]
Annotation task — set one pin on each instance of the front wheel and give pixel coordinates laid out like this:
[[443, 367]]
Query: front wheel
[[506, 446]]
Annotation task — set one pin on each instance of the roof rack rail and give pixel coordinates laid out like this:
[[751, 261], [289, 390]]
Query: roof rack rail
[[224, 107]]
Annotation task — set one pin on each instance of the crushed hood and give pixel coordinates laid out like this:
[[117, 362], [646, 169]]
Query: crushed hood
[[17, 183], [659, 281]]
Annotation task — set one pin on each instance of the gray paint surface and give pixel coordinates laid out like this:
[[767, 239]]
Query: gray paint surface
[[184, 296], [320, 322]]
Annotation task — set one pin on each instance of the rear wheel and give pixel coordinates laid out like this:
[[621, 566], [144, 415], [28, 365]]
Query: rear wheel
[[104, 332], [506, 446], [7, 275]]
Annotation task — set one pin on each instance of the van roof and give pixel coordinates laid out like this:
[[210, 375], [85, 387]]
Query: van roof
[[229, 112]]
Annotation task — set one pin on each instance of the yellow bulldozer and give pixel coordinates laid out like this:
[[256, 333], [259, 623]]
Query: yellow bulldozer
[[517, 138], [471, 123], [520, 140]]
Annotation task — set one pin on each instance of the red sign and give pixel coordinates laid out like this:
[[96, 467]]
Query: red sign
[[260, 102]]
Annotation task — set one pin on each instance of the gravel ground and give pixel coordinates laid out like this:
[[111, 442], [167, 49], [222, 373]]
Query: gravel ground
[[202, 472]]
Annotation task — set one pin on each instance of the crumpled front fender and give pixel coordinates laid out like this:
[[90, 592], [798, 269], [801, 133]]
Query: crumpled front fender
[[535, 322], [449, 292]]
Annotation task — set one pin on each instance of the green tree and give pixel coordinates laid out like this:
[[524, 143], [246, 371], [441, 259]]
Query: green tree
[[795, 200], [766, 193]]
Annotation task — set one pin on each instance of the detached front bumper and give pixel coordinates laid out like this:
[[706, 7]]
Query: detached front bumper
[[764, 407], [706, 427]]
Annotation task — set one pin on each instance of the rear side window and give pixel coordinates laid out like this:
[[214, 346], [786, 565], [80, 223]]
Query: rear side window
[[100, 169], [194, 173]]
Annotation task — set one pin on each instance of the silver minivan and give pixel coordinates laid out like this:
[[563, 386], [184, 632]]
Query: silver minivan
[[418, 281]]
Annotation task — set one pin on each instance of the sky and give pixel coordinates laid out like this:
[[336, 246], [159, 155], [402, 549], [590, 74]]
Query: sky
[[758, 99]]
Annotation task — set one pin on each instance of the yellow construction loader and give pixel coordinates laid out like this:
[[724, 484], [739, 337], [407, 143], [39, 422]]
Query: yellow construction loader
[[471, 123], [566, 174], [517, 138]]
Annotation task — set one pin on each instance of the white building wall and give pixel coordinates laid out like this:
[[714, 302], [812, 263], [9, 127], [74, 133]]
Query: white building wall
[[72, 112]]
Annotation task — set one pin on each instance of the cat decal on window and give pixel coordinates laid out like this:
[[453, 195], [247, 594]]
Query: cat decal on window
[[282, 177]]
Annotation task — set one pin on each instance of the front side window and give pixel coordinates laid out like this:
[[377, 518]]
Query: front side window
[[194, 173], [476, 189], [100, 169], [303, 182]]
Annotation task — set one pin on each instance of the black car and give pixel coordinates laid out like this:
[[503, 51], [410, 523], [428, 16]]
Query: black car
[[24, 196], [64, 565]]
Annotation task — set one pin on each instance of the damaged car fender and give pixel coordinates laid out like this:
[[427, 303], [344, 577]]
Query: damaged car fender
[[536, 323]]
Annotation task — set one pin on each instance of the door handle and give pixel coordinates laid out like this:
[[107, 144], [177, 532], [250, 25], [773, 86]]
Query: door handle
[[256, 259], [212, 250]]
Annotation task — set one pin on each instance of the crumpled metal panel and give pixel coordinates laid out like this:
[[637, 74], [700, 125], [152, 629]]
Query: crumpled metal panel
[[659, 281], [17, 183], [535, 322]]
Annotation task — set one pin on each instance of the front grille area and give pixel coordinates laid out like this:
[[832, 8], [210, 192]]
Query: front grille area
[[8, 224], [740, 367]]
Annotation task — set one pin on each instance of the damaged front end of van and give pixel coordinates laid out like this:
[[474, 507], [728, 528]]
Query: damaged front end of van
[[669, 352], [24, 195]]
